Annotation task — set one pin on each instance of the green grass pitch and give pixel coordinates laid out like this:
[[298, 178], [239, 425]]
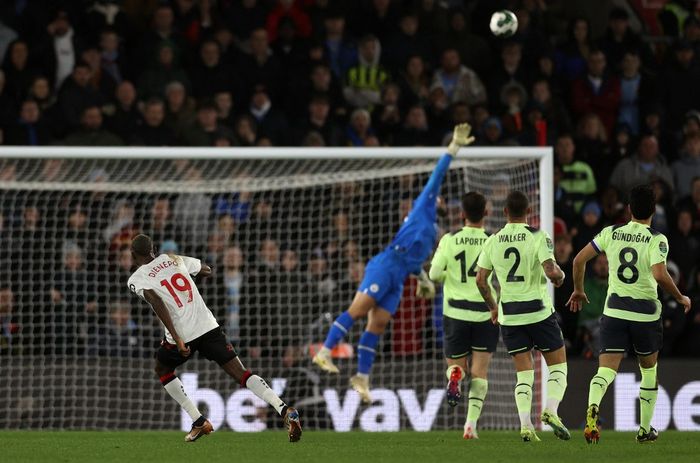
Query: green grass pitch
[[329, 447]]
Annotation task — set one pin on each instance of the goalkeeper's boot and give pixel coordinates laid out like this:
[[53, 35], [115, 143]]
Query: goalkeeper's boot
[[361, 385], [555, 422], [592, 432], [454, 390], [324, 360], [198, 431], [644, 437], [528, 435], [293, 423], [470, 431]]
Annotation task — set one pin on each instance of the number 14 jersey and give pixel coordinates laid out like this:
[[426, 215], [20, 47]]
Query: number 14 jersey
[[632, 249], [516, 254], [170, 277]]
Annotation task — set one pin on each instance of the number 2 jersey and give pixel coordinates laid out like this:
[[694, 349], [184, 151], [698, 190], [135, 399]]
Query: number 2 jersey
[[516, 254], [170, 277], [632, 249]]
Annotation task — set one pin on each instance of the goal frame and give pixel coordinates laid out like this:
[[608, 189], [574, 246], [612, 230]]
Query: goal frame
[[544, 155]]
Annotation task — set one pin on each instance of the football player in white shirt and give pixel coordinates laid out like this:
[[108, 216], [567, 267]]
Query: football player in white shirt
[[167, 283]]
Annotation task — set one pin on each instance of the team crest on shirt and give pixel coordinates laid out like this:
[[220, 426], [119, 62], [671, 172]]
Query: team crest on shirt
[[550, 245], [663, 247], [374, 287]]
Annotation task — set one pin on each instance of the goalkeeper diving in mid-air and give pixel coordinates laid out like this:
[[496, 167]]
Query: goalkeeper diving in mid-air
[[379, 294]]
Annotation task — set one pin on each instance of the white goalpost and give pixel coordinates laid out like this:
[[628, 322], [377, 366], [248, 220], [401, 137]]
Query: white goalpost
[[287, 232]]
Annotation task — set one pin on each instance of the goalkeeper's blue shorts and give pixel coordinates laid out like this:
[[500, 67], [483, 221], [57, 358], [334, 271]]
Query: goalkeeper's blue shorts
[[384, 277]]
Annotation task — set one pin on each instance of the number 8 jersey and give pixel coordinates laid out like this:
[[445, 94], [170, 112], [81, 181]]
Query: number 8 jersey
[[632, 249], [170, 277], [516, 254]]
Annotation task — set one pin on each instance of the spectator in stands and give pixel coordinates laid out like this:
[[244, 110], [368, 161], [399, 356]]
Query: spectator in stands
[[688, 166], [58, 50], [689, 344], [30, 128], [511, 69], [9, 329], [636, 89], [364, 81], [530, 35], [592, 146], [41, 92], [596, 287], [210, 74], [672, 314], [320, 82], [320, 280], [386, 116], [673, 14], [192, 211], [260, 67], [124, 117], [564, 255], [590, 225], [224, 104], [413, 81], [102, 81], [116, 335], [232, 278], [270, 121], [416, 131], [692, 203], [619, 40], [553, 109], [162, 31], [571, 57], [18, 73], [320, 120], [360, 132], [113, 60], [678, 92], [206, 129], [91, 132], [7, 36], [293, 308], [7, 104], [246, 130], [121, 227], [243, 17], [646, 166], [153, 131], [473, 49], [577, 176], [77, 93], [684, 244], [598, 92], [513, 98], [459, 82], [180, 109], [291, 11], [164, 68], [340, 52], [159, 224], [407, 42]]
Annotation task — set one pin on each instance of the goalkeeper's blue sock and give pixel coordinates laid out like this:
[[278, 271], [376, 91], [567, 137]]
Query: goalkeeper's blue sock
[[340, 328], [366, 352]]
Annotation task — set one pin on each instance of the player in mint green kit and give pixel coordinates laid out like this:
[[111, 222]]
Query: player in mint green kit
[[632, 315], [521, 257], [379, 293], [466, 319]]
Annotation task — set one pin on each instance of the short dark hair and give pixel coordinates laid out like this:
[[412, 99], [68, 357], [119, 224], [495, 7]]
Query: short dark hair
[[517, 204], [142, 245], [642, 201], [474, 206]]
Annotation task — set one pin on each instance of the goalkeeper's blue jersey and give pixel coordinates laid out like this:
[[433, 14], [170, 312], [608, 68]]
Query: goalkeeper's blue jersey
[[416, 238]]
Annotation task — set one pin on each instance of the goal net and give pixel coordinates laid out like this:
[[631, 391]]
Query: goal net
[[287, 233]]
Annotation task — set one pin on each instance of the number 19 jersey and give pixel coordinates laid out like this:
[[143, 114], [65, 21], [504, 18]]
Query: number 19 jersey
[[516, 254], [170, 278], [632, 249]]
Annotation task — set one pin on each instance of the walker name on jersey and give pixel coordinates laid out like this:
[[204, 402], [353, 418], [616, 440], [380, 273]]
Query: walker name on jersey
[[469, 241], [240, 410], [512, 238], [631, 238], [162, 266]]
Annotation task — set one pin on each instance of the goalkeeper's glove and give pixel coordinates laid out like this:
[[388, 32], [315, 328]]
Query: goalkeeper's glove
[[460, 137], [426, 288]]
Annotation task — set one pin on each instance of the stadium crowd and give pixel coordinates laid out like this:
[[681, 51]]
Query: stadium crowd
[[618, 109]]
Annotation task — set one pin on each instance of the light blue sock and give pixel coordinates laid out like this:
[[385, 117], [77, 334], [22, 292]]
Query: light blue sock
[[340, 328], [366, 352]]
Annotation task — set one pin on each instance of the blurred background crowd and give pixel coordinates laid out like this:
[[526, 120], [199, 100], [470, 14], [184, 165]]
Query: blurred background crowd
[[614, 90]]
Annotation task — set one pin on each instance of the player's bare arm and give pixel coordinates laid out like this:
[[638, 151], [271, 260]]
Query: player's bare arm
[[578, 297], [482, 282], [162, 313], [554, 272], [663, 278]]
